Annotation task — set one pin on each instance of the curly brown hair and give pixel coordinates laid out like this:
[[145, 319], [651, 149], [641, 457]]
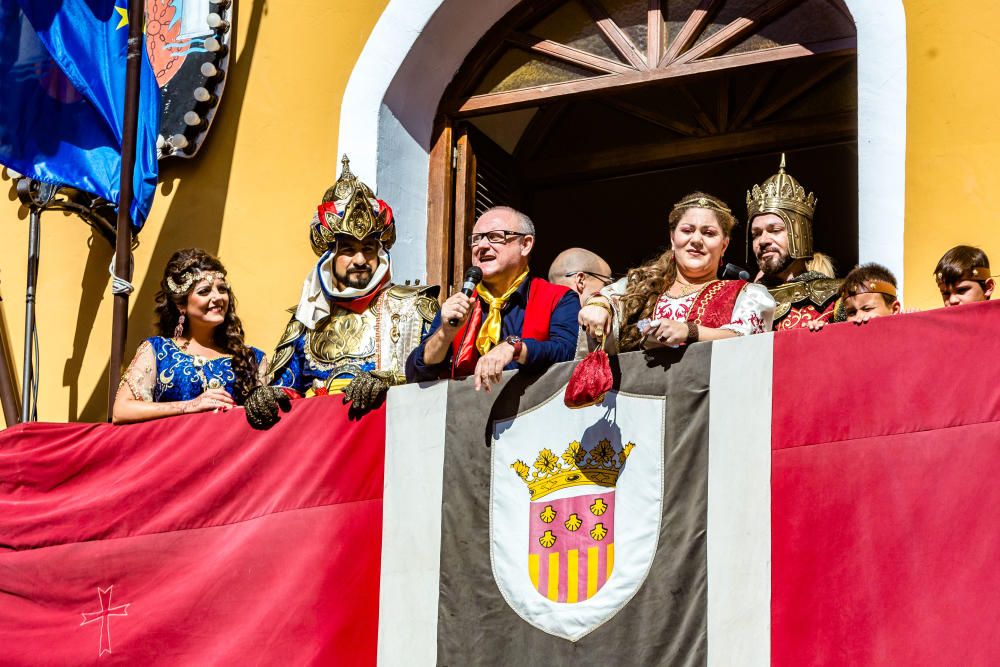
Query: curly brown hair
[[648, 282], [228, 336]]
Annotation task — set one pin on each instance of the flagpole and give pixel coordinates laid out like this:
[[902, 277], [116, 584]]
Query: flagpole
[[123, 238], [8, 395]]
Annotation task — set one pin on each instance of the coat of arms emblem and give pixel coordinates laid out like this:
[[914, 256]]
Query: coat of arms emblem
[[575, 509], [571, 540]]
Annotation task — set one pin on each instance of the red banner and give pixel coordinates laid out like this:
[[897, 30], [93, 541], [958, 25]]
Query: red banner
[[886, 456], [192, 540]]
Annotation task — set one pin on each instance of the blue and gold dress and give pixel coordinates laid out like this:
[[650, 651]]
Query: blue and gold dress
[[162, 372]]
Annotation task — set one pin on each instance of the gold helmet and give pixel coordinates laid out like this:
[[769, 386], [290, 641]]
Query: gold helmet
[[783, 196], [351, 208]]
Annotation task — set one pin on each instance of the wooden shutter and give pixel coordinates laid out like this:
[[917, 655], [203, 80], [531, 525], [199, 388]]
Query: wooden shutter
[[485, 176]]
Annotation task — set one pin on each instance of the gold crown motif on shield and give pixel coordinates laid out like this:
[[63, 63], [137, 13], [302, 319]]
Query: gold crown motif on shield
[[576, 466]]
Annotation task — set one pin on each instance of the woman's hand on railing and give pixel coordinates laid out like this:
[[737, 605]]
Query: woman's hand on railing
[[212, 399], [666, 333], [595, 317]]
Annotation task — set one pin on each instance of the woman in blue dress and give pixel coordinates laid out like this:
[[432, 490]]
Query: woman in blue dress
[[199, 361]]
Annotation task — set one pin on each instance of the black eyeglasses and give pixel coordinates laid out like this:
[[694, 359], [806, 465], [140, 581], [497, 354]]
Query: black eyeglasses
[[495, 237], [607, 280]]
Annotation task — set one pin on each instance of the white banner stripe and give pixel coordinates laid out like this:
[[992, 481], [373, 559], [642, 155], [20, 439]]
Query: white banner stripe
[[411, 524], [739, 502]]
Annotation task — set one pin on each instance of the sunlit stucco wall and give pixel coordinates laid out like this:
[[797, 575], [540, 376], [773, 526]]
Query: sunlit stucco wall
[[953, 147]]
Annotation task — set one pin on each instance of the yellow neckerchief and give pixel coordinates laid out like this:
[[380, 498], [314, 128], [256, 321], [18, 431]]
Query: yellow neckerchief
[[489, 333]]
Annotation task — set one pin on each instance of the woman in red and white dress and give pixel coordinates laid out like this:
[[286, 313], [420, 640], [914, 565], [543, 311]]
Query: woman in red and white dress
[[676, 299]]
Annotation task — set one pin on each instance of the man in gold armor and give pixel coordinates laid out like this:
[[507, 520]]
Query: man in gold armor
[[802, 282], [353, 328]]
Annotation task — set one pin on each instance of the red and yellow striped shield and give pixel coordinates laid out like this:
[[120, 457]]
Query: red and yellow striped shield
[[571, 545]]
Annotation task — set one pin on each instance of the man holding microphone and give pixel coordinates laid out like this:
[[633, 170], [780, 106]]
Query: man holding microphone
[[511, 321]]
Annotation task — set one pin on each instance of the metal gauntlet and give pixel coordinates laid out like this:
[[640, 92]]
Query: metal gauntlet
[[262, 407], [367, 390]]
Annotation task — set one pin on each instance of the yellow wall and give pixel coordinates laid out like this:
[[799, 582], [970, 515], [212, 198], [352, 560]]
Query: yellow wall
[[953, 149], [248, 196]]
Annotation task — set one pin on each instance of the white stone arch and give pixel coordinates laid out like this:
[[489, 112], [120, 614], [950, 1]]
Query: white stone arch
[[416, 47]]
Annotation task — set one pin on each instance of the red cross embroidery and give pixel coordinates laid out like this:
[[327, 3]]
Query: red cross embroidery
[[104, 595]]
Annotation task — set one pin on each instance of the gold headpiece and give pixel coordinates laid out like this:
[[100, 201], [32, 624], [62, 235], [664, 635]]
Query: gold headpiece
[[600, 465], [703, 202], [351, 208], [783, 196], [189, 278]]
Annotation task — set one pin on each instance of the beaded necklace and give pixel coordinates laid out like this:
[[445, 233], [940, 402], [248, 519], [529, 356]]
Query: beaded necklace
[[199, 362]]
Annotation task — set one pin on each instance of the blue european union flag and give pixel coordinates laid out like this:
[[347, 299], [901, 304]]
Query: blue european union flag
[[62, 97]]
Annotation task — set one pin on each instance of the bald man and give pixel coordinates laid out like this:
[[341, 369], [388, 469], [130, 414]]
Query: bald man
[[580, 270]]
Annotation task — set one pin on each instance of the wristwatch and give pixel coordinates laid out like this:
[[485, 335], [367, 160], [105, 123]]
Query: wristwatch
[[516, 343]]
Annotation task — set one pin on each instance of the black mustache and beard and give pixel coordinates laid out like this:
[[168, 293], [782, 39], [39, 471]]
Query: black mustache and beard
[[773, 265], [357, 276]]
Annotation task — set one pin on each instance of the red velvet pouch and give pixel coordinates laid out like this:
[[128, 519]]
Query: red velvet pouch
[[590, 381]]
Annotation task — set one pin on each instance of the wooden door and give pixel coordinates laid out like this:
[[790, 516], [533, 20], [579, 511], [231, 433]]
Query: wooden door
[[481, 175]]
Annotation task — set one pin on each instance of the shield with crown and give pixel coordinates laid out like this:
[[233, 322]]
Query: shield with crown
[[575, 509], [571, 540]]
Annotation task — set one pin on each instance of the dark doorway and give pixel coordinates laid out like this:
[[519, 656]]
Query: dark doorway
[[624, 219], [595, 116]]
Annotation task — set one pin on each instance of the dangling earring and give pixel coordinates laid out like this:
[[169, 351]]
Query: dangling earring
[[179, 329]]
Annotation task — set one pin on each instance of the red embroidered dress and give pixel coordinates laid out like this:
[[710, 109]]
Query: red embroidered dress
[[735, 305]]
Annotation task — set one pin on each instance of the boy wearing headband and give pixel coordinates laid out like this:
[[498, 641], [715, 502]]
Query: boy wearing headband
[[963, 276], [869, 291]]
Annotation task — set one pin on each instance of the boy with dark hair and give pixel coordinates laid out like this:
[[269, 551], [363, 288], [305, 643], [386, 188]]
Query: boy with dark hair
[[963, 276], [869, 291]]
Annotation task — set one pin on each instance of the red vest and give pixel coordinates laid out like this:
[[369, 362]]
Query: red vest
[[713, 307], [542, 299]]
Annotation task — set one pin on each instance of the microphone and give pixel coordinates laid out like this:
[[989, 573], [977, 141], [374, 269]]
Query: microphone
[[732, 272], [473, 276]]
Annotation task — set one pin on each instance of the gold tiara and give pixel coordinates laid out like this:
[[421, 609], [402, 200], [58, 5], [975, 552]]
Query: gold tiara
[[189, 278], [702, 202]]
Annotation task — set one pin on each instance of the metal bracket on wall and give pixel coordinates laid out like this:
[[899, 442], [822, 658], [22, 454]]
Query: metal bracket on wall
[[96, 212]]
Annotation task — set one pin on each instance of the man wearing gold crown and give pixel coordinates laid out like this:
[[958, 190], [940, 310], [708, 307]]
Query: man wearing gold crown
[[801, 281], [353, 328]]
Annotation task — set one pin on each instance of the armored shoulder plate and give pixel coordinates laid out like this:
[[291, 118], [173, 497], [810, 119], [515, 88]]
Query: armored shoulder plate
[[819, 292], [285, 348], [425, 297], [824, 289]]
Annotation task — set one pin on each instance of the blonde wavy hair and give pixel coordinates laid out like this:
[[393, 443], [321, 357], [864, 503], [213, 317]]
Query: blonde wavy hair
[[821, 263], [648, 282]]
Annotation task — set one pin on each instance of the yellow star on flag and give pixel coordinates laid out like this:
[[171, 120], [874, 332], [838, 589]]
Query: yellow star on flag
[[124, 20]]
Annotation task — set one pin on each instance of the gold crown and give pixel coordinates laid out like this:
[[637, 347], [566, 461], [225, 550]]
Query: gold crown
[[576, 466], [781, 192], [350, 207]]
